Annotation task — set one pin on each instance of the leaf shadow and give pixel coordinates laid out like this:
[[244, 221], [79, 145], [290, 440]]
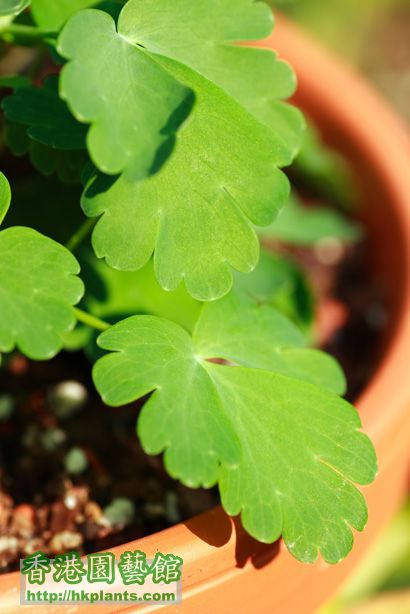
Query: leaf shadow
[[217, 529], [175, 122], [250, 550]]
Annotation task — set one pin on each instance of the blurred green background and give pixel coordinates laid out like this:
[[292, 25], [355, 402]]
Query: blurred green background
[[374, 35]]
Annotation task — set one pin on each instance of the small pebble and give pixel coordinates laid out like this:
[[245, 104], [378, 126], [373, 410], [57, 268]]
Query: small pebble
[[329, 250], [93, 511], [76, 497], [66, 540], [8, 550], [70, 501], [120, 512], [66, 398], [33, 545], [23, 523], [75, 461]]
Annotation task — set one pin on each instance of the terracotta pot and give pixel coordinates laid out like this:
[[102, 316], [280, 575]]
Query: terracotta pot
[[226, 571]]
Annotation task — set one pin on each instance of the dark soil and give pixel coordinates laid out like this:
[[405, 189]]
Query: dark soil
[[121, 495], [351, 313], [72, 474]]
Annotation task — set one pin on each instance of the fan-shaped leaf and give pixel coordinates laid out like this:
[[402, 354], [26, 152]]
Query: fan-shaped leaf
[[38, 286], [45, 115], [196, 212], [285, 452], [134, 105], [203, 34], [223, 173]]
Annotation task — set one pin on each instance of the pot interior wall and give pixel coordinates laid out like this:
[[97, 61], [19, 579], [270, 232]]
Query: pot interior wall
[[387, 240]]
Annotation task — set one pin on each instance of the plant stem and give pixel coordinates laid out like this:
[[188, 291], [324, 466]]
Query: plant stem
[[19, 34], [80, 234], [90, 320]]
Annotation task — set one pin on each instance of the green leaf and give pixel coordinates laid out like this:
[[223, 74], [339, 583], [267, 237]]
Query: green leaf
[[15, 137], [13, 7], [241, 331], [5, 196], [197, 211], [14, 81], [112, 295], [38, 287], [223, 173], [303, 225], [68, 165], [161, 353], [45, 115], [126, 131], [52, 14], [202, 34], [134, 106], [40, 124], [324, 171], [285, 453], [279, 282], [301, 451]]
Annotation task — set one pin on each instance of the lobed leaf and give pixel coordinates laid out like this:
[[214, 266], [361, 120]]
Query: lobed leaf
[[134, 106], [45, 116], [276, 280], [238, 135], [38, 287], [251, 334], [301, 453], [284, 452], [202, 35], [67, 164], [38, 123], [197, 211], [161, 352]]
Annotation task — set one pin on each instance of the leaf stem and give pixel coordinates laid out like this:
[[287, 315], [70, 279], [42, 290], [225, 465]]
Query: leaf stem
[[90, 320], [80, 234], [25, 36]]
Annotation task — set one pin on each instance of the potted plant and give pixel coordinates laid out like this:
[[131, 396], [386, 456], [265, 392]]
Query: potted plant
[[180, 154]]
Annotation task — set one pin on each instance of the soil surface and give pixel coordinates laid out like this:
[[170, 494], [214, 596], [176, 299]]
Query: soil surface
[[72, 474]]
